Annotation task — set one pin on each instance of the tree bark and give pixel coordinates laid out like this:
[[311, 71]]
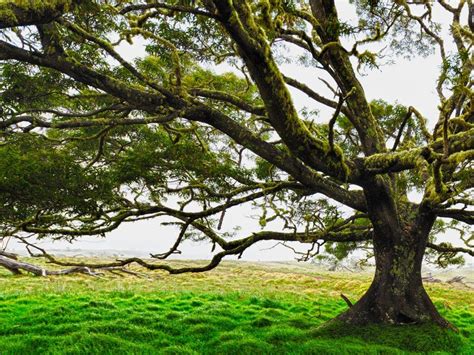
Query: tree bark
[[397, 295]]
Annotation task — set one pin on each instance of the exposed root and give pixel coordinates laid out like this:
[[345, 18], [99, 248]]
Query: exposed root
[[347, 300]]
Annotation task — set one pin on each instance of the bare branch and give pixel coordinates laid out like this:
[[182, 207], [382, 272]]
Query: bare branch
[[400, 131], [315, 96], [228, 98]]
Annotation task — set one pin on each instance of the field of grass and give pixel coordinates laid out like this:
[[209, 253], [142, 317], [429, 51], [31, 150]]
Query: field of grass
[[239, 308]]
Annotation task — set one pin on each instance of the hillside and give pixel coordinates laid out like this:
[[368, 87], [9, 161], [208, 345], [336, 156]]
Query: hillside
[[241, 308]]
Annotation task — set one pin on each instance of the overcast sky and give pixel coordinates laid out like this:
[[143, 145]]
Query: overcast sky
[[408, 82]]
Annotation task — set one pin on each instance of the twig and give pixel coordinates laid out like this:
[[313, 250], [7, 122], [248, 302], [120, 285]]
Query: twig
[[400, 131]]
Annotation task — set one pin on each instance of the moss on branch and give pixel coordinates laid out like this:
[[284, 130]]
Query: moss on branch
[[31, 12]]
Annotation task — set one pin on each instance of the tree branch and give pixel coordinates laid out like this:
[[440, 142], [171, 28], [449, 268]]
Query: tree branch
[[16, 13], [236, 247], [461, 215], [228, 98], [315, 96], [400, 131], [256, 53], [285, 162], [448, 249], [178, 8], [147, 100]]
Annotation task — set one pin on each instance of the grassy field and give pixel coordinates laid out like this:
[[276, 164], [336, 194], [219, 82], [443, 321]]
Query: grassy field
[[239, 308]]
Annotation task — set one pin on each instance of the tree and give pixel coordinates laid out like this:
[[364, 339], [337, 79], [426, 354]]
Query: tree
[[91, 140]]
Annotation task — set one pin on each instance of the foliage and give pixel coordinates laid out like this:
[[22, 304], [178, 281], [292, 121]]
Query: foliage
[[171, 154], [37, 176]]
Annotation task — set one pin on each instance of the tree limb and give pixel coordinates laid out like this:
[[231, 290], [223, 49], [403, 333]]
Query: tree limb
[[449, 249], [461, 215], [21, 13]]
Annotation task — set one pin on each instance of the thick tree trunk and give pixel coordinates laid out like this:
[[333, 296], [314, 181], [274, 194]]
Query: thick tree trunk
[[397, 295]]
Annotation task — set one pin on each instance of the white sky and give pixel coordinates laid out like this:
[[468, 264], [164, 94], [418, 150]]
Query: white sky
[[408, 82]]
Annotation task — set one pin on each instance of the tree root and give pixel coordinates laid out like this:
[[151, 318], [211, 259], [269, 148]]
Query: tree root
[[347, 300]]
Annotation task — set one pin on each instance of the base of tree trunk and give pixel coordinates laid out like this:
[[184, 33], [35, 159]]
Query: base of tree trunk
[[387, 306]]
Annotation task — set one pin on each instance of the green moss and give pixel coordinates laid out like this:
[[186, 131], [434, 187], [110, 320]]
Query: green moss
[[7, 15]]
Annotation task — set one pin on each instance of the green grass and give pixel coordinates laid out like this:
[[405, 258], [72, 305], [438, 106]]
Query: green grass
[[237, 309]]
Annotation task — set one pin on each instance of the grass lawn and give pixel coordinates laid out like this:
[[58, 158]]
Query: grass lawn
[[239, 308]]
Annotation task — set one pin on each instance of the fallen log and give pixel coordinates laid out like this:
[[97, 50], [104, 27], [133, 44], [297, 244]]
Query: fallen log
[[456, 279], [15, 267], [430, 278], [9, 255]]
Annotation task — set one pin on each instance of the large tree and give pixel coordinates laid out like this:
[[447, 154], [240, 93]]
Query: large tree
[[90, 140]]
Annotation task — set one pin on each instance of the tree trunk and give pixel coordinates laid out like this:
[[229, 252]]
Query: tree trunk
[[397, 295]]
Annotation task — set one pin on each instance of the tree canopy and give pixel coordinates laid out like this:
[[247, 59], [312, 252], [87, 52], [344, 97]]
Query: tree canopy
[[90, 140]]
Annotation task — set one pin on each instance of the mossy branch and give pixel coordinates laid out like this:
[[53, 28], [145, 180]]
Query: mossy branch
[[37, 12], [444, 248]]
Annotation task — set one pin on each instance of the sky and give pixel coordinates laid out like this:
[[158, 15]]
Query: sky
[[407, 81]]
